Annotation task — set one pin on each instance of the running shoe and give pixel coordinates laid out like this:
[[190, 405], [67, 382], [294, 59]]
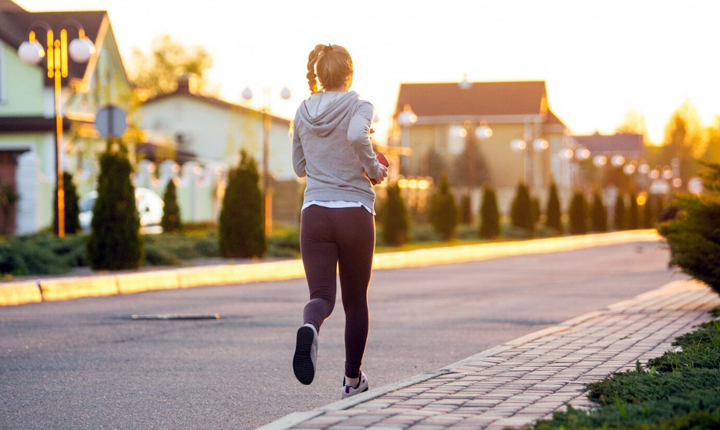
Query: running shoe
[[305, 354], [349, 390]]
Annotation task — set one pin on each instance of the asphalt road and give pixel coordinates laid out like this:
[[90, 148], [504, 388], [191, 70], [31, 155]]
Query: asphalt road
[[84, 364]]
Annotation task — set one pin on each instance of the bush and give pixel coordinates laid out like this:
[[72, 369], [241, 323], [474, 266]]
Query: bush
[[598, 214], [115, 242], [465, 215], [619, 214], [633, 213], [72, 210], [578, 214], [490, 216], [443, 212], [242, 219], [171, 210], [395, 221], [521, 215], [694, 235], [552, 213]]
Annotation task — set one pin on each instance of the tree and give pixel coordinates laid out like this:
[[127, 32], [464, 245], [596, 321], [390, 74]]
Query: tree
[[684, 140], [578, 214], [647, 212], [242, 218], [171, 211], [598, 213], [443, 212], [633, 213], [490, 216], [158, 72], [72, 210], [712, 142], [465, 215], [552, 213], [619, 221], [521, 210], [395, 222], [115, 242], [694, 235], [634, 122]]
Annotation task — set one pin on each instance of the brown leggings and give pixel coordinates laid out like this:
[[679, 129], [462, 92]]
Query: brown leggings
[[344, 237]]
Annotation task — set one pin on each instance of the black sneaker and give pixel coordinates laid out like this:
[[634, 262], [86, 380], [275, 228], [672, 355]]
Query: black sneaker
[[305, 354]]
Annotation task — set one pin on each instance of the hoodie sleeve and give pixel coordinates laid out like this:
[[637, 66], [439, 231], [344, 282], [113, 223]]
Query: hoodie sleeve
[[359, 138], [298, 156]]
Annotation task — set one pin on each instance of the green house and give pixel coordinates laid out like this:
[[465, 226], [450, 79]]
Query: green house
[[28, 112]]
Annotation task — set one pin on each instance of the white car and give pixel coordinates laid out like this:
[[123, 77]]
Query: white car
[[150, 208]]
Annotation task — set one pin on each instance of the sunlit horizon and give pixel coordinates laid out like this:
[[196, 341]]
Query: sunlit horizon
[[599, 60]]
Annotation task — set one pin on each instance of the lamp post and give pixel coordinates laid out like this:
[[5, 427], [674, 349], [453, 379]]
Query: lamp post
[[480, 133], [538, 145], [406, 118], [32, 52], [247, 94]]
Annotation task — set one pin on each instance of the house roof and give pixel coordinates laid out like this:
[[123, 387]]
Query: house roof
[[618, 142], [184, 91], [15, 25], [481, 99]]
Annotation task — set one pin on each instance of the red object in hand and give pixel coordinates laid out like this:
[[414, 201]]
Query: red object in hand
[[382, 160]]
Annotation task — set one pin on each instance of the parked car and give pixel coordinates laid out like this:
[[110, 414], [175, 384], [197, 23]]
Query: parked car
[[150, 208]]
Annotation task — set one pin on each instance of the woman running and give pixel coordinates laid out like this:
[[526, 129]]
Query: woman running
[[332, 150]]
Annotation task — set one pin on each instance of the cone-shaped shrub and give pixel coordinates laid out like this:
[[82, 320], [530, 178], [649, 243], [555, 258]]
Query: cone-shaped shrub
[[396, 225], [647, 212], [694, 235], [598, 214], [489, 214], [242, 222], [552, 213], [619, 220], [465, 215], [171, 211], [115, 242], [535, 210], [521, 210], [578, 214], [443, 212], [72, 210], [633, 213]]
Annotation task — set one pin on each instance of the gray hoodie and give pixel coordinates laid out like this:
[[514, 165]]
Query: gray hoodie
[[331, 147]]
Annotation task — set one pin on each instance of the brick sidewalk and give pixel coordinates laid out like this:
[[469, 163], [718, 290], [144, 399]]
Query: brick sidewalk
[[527, 379]]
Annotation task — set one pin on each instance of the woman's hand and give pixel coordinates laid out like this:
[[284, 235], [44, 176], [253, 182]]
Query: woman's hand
[[383, 174]]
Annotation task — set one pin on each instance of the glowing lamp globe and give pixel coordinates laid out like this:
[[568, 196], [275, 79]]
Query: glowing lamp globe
[[483, 132], [31, 52], [81, 50], [247, 94], [285, 93], [517, 145], [540, 144]]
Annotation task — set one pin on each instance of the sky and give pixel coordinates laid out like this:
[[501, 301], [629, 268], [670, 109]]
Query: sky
[[599, 58]]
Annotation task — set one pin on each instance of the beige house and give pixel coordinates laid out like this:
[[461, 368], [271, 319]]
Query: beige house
[[525, 140]]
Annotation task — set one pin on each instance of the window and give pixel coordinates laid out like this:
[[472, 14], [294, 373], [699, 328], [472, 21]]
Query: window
[[2, 73]]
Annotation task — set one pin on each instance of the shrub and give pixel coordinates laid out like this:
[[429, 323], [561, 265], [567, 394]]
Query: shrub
[[443, 212], [552, 213], [598, 214], [490, 216], [619, 222], [171, 210], [694, 235], [395, 218], [465, 215], [242, 223], [633, 213], [521, 210], [115, 242], [72, 210], [535, 210], [578, 214]]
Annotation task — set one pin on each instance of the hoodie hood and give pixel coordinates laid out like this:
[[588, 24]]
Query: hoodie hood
[[324, 111]]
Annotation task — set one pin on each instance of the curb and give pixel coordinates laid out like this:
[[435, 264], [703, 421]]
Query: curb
[[54, 289], [293, 419]]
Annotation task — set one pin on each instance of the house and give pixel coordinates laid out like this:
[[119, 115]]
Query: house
[[27, 110], [524, 140], [208, 131], [629, 145]]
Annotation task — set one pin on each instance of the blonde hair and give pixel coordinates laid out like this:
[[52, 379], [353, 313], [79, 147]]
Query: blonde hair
[[332, 64]]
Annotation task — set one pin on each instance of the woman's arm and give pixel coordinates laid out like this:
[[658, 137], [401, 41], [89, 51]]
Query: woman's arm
[[359, 137], [298, 156]]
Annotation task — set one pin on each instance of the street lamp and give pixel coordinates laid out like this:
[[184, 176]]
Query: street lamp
[[538, 145], [32, 52], [247, 94], [482, 132], [406, 118]]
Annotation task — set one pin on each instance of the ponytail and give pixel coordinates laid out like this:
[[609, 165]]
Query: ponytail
[[333, 64]]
